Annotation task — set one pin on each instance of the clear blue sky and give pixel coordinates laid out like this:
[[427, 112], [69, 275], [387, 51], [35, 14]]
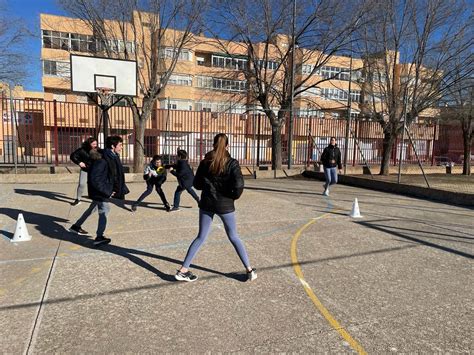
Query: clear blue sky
[[29, 12]]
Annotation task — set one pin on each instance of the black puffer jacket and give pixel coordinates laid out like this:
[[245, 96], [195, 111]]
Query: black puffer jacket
[[81, 155], [183, 172], [219, 192], [331, 157], [100, 178], [106, 176]]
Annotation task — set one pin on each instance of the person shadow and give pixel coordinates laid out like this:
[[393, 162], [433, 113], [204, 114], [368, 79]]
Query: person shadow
[[52, 227], [61, 197]]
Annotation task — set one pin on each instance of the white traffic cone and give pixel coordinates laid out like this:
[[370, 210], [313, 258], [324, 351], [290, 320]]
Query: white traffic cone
[[21, 232], [355, 213]]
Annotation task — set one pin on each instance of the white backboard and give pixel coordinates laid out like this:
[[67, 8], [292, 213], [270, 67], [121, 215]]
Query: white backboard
[[89, 73]]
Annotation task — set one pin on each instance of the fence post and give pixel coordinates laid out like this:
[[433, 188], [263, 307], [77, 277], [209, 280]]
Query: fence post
[[356, 122], [433, 144], [200, 134], [258, 140], [310, 142], [56, 144]]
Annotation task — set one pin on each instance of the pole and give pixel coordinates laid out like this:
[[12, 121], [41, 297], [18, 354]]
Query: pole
[[14, 123], [254, 126], [292, 88], [403, 137], [105, 120], [258, 140], [349, 111], [200, 134], [56, 143], [165, 148]]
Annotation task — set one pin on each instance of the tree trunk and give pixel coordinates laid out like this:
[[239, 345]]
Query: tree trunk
[[276, 146], [388, 140], [467, 139], [139, 146]]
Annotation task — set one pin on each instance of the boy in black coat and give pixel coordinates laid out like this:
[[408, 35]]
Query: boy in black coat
[[185, 176], [155, 176], [105, 180]]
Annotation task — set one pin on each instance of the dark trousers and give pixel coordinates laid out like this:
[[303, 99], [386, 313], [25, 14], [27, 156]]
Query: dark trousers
[[149, 190], [179, 190]]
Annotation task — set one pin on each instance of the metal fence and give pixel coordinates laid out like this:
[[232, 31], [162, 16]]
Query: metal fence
[[37, 132]]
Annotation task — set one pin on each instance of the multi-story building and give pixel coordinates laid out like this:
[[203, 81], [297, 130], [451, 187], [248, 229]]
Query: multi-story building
[[209, 77], [206, 78]]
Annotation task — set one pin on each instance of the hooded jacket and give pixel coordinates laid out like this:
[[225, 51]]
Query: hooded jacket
[[219, 191]]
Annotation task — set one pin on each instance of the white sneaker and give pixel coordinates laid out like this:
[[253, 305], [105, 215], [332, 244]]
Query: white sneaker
[[326, 192], [252, 275]]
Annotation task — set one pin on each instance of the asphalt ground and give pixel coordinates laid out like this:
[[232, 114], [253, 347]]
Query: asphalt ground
[[398, 280]]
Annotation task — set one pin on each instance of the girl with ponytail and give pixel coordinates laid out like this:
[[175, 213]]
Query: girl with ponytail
[[221, 181]]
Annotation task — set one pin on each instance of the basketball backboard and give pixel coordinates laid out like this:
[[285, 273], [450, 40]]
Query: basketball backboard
[[90, 73]]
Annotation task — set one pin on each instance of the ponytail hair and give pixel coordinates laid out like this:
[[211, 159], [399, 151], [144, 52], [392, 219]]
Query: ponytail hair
[[219, 154]]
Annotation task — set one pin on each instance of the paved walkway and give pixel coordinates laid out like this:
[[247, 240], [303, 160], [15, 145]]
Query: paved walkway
[[397, 280]]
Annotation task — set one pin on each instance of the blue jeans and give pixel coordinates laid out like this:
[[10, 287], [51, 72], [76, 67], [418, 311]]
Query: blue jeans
[[177, 195], [331, 176], [205, 221], [104, 209]]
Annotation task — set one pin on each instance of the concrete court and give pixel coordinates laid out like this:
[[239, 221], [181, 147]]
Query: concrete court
[[399, 280]]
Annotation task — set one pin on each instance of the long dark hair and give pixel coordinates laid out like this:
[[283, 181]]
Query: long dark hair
[[87, 144], [219, 154]]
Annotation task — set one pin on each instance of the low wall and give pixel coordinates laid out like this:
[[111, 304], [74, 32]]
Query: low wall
[[454, 198]]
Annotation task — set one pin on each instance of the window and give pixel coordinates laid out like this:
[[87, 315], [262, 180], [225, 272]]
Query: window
[[229, 62], [200, 60], [54, 68], [355, 95], [271, 65], [170, 53], [69, 41], [337, 73], [333, 94], [183, 80], [221, 84]]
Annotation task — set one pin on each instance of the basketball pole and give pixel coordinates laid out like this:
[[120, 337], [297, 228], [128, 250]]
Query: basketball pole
[[105, 120]]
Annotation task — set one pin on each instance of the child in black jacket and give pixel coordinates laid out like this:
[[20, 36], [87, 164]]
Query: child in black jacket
[[155, 176], [185, 176]]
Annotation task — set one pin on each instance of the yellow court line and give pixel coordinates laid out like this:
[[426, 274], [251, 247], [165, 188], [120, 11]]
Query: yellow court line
[[320, 307]]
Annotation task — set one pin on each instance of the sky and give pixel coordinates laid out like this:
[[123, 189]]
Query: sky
[[29, 11]]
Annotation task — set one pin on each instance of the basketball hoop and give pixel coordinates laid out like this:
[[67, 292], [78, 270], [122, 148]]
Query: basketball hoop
[[106, 95]]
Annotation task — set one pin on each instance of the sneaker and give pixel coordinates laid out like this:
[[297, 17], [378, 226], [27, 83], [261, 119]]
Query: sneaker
[[175, 209], [134, 208], [252, 275], [168, 207], [98, 241], [185, 276], [76, 202], [326, 192], [78, 230]]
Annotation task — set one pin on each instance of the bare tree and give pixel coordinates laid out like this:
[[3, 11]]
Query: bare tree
[[12, 57], [459, 108], [410, 51], [263, 28], [159, 29]]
